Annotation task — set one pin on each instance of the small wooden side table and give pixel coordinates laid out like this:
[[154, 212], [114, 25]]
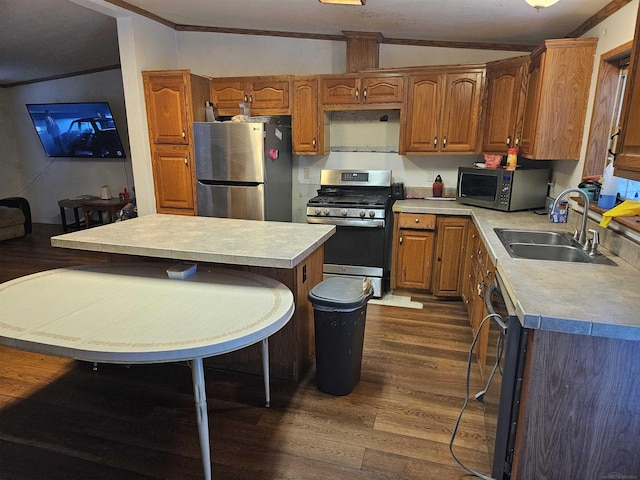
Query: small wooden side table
[[111, 206], [75, 204]]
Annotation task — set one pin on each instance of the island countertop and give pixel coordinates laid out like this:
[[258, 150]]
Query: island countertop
[[587, 299], [203, 239]]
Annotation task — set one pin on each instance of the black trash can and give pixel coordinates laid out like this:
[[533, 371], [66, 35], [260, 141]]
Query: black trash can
[[340, 310]]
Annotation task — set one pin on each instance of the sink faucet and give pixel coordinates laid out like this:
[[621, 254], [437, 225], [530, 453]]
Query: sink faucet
[[583, 231]]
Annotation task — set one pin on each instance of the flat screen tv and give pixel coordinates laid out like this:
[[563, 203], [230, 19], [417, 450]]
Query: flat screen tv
[[84, 130]]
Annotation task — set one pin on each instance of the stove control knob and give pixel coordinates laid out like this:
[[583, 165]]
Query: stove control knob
[[372, 213], [327, 211], [317, 211], [361, 213], [343, 212]]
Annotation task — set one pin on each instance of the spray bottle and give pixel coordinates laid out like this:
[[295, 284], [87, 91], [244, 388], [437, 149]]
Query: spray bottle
[[609, 190]]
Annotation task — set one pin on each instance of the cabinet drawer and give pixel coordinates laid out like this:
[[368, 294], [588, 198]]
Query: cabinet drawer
[[418, 221]]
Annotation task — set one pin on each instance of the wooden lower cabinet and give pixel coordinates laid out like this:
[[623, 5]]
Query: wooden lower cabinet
[[451, 238], [414, 239], [429, 253], [173, 179], [579, 413], [478, 275]]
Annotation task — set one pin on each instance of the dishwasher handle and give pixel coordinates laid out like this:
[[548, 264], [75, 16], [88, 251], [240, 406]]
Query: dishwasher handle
[[494, 288]]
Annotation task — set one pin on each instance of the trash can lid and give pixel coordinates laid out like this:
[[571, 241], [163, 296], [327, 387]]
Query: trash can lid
[[342, 292]]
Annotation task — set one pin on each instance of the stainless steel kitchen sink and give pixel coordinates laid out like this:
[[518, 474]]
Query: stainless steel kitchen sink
[[545, 245], [534, 236]]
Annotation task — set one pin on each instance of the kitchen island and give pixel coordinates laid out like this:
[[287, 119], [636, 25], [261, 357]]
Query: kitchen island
[[288, 252], [579, 414]]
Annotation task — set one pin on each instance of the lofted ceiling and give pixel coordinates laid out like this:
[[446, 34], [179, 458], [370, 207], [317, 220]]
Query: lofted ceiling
[[45, 39]]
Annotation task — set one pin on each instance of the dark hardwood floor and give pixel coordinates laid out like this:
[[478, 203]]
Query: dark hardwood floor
[[60, 420]]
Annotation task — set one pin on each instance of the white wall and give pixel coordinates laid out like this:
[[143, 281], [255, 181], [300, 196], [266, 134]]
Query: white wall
[[42, 180]]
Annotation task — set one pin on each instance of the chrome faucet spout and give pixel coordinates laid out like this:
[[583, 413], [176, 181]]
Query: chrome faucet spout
[[583, 230]]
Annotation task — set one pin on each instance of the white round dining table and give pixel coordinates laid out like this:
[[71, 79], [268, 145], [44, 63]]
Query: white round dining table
[[134, 313]]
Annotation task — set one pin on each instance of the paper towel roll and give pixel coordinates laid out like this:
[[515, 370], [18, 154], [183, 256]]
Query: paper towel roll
[[105, 193]]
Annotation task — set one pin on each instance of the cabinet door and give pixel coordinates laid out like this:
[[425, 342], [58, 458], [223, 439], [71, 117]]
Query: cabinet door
[[627, 162], [504, 91], [451, 236], [228, 94], [340, 89], [531, 107], [382, 89], [167, 102], [173, 179], [422, 113], [305, 119], [414, 259], [270, 95], [460, 118], [468, 287]]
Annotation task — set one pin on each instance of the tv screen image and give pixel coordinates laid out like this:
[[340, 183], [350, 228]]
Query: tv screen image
[[77, 130]]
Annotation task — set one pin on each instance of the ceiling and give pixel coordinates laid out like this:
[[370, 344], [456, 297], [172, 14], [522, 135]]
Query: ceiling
[[44, 39]]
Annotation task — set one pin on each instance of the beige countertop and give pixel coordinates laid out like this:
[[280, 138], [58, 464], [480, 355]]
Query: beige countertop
[[588, 299], [203, 239]]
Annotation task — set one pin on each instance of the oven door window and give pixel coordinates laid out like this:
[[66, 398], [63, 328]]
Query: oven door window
[[479, 186], [361, 246]]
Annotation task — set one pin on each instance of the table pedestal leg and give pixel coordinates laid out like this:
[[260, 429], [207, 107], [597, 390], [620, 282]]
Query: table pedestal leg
[[197, 373], [265, 371]]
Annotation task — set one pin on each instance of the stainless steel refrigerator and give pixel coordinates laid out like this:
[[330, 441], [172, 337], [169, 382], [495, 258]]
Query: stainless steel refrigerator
[[243, 170]]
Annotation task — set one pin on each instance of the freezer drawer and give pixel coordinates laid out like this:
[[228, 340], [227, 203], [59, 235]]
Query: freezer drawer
[[231, 201]]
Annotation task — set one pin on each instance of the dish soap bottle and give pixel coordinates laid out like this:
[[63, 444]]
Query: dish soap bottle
[[609, 190], [512, 158], [437, 186]]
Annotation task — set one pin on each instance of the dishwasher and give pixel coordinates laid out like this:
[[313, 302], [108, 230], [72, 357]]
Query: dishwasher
[[503, 373]]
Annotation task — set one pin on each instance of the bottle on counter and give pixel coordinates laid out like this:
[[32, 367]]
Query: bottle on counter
[[609, 189], [512, 158], [437, 186]]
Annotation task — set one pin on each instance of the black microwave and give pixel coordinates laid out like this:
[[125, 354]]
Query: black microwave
[[500, 189]]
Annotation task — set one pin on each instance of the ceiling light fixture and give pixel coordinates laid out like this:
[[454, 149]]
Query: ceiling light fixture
[[346, 2], [538, 4]]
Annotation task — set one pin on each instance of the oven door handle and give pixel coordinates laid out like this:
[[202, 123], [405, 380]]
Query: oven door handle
[[494, 288], [348, 222]]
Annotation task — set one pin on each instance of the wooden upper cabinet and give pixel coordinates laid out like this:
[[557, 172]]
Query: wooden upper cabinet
[[422, 113], [556, 103], [627, 163], [307, 120], [384, 91], [264, 95], [461, 112], [168, 111], [442, 112], [174, 100], [506, 93]]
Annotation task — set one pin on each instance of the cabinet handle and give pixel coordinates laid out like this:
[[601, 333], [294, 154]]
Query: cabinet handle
[[357, 94], [400, 240], [509, 141], [184, 134], [444, 142], [435, 142], [517, 142], [186, 162], [313, 142], [251, 98], [364, 94], [246, 98], [417, 220]]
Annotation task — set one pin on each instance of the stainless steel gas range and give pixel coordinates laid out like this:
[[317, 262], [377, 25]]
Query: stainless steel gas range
[[358, 203]]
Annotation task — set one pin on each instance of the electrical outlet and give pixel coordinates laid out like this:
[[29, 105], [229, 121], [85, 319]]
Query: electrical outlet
[[431, 176], [307, 173]]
